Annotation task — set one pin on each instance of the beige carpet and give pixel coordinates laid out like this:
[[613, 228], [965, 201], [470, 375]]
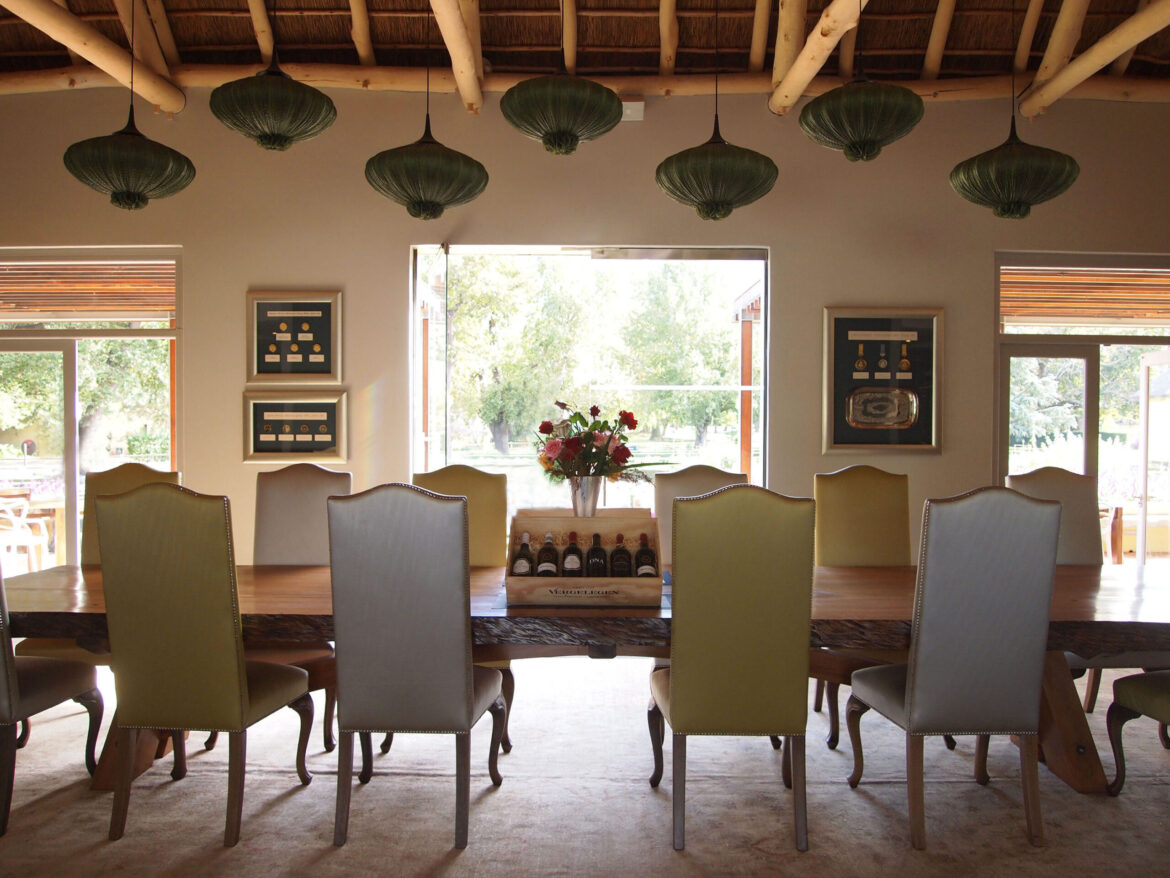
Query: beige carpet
[[575, 801]]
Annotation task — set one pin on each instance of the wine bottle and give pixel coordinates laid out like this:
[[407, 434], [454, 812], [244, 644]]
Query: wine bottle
[[546, 558], [571, 561], [522, 560], [620, 562], [645, 560], [596, 564]]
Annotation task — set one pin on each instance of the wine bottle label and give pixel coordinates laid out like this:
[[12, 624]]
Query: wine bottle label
[[571, 562], [647, 570], [548, 568], [521, 567]]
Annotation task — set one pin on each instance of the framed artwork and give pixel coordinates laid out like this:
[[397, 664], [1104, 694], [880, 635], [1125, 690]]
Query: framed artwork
[[294, 337], [290, 426], [882, 378]]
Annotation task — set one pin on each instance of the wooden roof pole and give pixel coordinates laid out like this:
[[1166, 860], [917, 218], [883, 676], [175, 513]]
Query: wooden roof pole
[[1065, 33], [146, 46], [847, 54], [789, 36], [359, 32], [1122, 63], [470, 9], [162, 30], [667, 37], [458, 41], [569, 34], [263, 28], [759, 35], [1125, 36], [839, 16], [73, 56], [73, 33], [1027, 34], [939, 31]]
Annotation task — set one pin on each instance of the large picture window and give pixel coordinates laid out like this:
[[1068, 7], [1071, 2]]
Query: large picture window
[[676, 337]]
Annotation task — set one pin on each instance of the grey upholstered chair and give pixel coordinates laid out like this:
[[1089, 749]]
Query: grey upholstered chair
[[176, 643], [980, 629], [30, 685], [1133, 696], [1080, 543], [690, 481], [402, 621], [738, 657]]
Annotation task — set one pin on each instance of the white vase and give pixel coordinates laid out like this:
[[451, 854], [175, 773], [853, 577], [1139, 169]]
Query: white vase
[[584, 491]]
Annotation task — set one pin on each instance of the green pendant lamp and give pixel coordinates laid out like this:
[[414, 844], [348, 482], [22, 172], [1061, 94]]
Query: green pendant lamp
[[861, 117], [272, 108], [128, 166]]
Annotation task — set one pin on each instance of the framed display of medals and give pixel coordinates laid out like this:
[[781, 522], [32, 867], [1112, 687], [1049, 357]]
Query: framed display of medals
[[292, 426], [882, 378], [294, 338]]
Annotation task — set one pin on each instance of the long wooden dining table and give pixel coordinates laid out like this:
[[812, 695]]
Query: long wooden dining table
[[1095, 610]]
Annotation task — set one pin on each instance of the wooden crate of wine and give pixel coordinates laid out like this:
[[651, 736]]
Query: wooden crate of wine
[[547, 560]]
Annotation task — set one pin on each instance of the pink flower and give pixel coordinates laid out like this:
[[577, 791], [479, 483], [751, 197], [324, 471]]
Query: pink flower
[[594, 411], [627, 420], [621, 454], [546, 427], [552, 448], [600, 438]]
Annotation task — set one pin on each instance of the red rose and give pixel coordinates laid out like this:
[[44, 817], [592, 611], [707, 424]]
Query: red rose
[[572, 448], [621, 455], [546, 428], [564, 407], [628, 420], [594, 411]]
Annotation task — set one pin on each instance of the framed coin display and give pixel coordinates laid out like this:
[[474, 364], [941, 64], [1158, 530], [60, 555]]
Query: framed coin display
[[294, 337], [295, 426], [882, 378]]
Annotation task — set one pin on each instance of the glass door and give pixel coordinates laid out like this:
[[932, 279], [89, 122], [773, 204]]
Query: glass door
[[38, 455], [1153, 526]]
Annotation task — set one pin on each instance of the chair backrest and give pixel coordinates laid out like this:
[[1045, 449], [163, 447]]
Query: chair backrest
[[487, 508], [981, 609], [690, 481], [741, 602], [9, 694], [1080, 518], [292, 519], [118, 480], [401, 610], [172, 611], [863, 518]]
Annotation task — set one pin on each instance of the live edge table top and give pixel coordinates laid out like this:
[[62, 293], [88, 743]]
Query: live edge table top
[[1094, 611]]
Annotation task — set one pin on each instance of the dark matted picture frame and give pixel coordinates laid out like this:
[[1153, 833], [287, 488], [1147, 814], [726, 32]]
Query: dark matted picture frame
[[294, 337], [295, 426], [882, 379]]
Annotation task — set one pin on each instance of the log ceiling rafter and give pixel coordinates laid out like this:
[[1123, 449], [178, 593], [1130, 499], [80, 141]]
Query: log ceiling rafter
[[759, 46], [667, 37], [569, 34], [1070, 21], [939, 31], [847, 54], [263, 28], [73, 56], [457, 38], [359, 32], [1119, 66], [790, 36], [1027, 34], [136, 21], [838, 17], [471, 17], [163, 32]]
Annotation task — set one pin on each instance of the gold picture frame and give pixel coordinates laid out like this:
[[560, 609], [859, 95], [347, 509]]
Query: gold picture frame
[[294, 337], [295, 426]]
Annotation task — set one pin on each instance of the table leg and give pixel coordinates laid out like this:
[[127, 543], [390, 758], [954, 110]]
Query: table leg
[[1069, 751], [151, 744]]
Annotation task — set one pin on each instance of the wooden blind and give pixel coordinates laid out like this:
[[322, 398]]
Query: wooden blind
[[87, 290], [1077, 295]]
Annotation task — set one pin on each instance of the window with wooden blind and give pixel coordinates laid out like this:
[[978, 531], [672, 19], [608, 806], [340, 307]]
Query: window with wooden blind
[[87, 291], [1123, 298]]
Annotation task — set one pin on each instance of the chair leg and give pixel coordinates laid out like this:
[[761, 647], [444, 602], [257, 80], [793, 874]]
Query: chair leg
[[508, 690], [8, 747], [818, 696], [462, 788], [786, 763], [949, 741], [794, 754], [914, 791], [237, 757], [853, 712], [1092, 684], [834, 735], [777, 743], [1117, 716], [92, 702], [330, 709], [657, 732], [1030, 778], [499, 711], [367, 771], [22, 738], [981, 775], [127, 747], [679, 788], [209, 744], [1163, 736], [304, 708], [344, 787], [179, 744], [386, 742]]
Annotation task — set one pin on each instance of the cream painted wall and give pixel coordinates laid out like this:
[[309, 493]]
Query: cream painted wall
[[890, 232]]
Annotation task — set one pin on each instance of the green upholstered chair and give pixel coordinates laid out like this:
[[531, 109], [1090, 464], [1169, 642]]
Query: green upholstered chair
[[977, 642], [863, 520], [402, 622], [689, 481], [176, 641], [30, 685], [738, 655], [1137, 695]]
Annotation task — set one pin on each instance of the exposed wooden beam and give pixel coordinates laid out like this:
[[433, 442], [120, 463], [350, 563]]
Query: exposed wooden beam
[[939, 31], [1121, 65], [162, 29], [1027, 34], [64, 27], [569, 34], [263, 28], [847, 54], [1139, 26], [667, 37], [759, 36], [359, 32], [146, 46], [73, 56], [1065, 34], [458, 42], [839, 16], [789, 36], [471, 17]]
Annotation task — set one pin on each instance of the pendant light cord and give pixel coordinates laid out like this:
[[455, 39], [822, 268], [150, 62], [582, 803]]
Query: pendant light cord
[[859, 67], [428, 64], [132, 24], [716, 62]]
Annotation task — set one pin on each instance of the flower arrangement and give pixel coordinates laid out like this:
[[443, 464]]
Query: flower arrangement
[[584, 445]]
